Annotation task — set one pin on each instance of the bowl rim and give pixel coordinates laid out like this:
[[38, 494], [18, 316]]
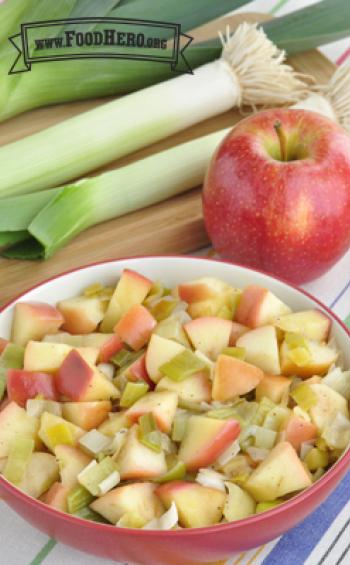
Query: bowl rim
[[339, 467]]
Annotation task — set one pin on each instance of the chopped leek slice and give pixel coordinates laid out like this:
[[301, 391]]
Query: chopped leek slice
[[294, 341], [78, 498], [19, 456], [300, 356], [316, 458], [59, 434], [97, 477], [163, 309], [88, 514], [132, 392], [182, 366], [36, 407], [304, 396], [94, 442], [264, 438], [264, 506], [223, 413], [265, 405], [176, 473], [238, 352], [179, 425], [124, 357], [276, 417], [148, 434], [12, 357]]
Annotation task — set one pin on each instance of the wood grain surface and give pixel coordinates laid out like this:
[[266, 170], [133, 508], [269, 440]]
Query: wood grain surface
[[171, 227]]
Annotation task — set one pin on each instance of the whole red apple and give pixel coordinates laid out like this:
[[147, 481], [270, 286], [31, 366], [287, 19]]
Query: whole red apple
[[277, 194]]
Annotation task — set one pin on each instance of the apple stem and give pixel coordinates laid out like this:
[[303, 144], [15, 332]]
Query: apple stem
[[282, 138]]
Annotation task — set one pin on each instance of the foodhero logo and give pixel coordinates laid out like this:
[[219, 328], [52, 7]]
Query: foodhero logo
[[93, 38]]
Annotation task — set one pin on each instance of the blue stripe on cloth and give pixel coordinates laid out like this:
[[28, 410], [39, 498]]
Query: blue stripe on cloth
[[339, 296], [297, 544]]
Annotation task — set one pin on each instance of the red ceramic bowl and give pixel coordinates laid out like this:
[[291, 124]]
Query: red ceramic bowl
[[192, 546]]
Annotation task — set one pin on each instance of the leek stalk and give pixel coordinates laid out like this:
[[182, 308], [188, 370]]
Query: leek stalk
[[78, 206], [250, 71], [51, 83]]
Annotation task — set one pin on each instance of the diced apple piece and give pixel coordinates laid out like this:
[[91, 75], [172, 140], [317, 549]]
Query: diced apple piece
[[115, 422], [131, 289], [137, 499], [137, 371], [77, 380], [319, 359], [160, 351], [49, 421], [107, 344], [209, 335], [205, 440], [280, 473], [14, 421], [196, 388], [239, 504], [3, 344], [135, 327], [233, 377], [162, 405], [258, 306], [312, 324], [86, 415], [136, 461], [236, 331], [328, 403], [48, 357], [111, 346], [274, 387], [297, 430], [31, 321], [22, 385], [81, 314], [70, 462], [261, 349], [40, 474], [56, 497], [209, 297], [197, 506]]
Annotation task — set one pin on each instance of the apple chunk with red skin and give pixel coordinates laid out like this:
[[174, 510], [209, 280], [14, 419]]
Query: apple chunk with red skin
[[56, 497], [297, 430], [81, 314], [48, 357], [77, 380], [280, 473], [136, 326], [208, 296], [281, 207], [233, 377], [137, 499], [132, 288], [162, 404], [31, 321], [210, 335], [86, 415], [258, 306], [205, 440], [197, 506], [22, 385]]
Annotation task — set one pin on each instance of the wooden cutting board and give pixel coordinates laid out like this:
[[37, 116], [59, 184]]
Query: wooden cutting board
[[171, 227]]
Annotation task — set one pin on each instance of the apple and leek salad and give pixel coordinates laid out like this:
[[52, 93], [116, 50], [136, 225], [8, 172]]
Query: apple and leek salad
[[156, 408]]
